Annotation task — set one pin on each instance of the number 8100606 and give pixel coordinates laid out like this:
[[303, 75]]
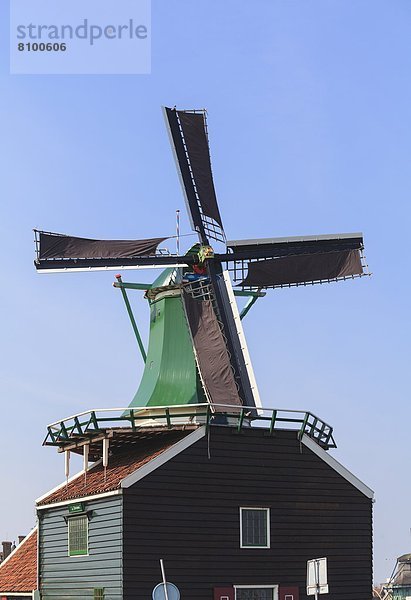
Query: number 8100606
[[42, 47]]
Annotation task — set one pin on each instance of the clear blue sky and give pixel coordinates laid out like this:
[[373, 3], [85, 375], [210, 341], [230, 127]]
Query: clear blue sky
[[309, 118]]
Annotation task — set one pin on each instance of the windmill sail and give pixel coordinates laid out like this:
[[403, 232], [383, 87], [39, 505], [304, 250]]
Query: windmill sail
[[188, 135], [54, 245], [210, 349], [57, 252], [279, 262], [234, 343], [303, 268]]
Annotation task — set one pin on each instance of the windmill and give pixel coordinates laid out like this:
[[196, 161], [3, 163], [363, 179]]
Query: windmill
[[197, 350]]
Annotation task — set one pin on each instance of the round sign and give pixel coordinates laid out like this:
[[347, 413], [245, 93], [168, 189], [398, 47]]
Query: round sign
[[159, 592]]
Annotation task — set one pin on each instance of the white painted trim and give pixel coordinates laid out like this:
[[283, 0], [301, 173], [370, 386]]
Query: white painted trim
[[267, 510], [82, 499], [338, 467], [164, 457], [18, 594], [61, 485], [243, 341], [273, 587], [16, 548], [118, 268]]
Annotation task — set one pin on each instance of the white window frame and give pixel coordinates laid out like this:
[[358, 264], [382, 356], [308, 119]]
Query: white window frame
[[68, 537], [267, 511], [273, 587]]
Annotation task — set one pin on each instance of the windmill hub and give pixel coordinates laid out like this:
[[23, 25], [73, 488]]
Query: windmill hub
[[205, 253]]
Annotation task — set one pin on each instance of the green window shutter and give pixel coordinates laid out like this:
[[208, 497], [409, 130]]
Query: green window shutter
[[78, 535], [98, 593]]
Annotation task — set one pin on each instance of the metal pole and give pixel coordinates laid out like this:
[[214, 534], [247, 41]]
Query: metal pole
[[163, 573], [317, 578], [178, 231], [132, 319]]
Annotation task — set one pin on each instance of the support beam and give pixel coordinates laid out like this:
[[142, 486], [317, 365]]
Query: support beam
[[130, 314], [251, 301], [256, 294], [132, 286]]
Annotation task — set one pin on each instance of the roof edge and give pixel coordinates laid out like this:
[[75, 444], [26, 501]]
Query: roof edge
[[337, 466], [34, 530], [79, 499], [164, 457], [69, 480]]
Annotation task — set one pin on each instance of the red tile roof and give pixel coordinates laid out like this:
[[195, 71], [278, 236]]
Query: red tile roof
[[18, 573], [123, 462]]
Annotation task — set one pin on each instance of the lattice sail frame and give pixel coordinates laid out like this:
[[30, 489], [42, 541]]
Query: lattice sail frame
[[212, 229], [238, 270]]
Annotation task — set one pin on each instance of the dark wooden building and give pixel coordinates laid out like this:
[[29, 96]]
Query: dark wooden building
[[234, 515]]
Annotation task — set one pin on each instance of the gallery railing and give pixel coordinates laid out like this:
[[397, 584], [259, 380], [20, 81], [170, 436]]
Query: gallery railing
[[89, 424]]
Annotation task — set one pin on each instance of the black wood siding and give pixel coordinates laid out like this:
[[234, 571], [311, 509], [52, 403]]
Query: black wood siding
[[187, 512]]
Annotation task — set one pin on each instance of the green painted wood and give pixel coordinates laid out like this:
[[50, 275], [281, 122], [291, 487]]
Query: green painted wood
[[66, 577], [401, 593], [170, 374]]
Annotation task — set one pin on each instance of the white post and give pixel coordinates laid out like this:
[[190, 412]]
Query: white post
[[105, 456], [317, 578], [178, 232], [67, 464], [163, 573], [105, 451], [86, 449]]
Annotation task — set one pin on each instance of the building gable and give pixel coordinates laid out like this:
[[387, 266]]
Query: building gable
[[18, 572], [187, 511], [338, 467], [100, 481]]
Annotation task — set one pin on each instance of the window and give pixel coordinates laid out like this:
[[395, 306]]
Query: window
[[254, 527], [256, 592], [78, 535]]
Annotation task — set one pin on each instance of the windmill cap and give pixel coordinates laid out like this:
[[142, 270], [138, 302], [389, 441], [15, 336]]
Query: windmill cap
[[405, 558]]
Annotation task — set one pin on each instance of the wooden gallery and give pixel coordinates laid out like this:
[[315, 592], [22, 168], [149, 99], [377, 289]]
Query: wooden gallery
[[195, 482]]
